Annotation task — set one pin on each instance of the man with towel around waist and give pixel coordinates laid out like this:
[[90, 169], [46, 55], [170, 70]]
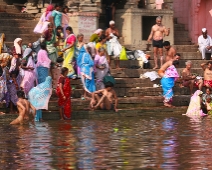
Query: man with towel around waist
[[158, 31]]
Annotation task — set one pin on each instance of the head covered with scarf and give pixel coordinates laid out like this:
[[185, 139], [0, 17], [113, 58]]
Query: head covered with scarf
[[49, 9], [17, 46]]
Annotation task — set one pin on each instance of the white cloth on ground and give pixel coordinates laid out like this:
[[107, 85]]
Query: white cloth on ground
[[152, 75]]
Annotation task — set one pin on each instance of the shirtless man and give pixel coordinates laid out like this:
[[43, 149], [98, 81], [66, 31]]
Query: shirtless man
[[158, 31], [190, 80], [170, 51], [23, 107], [105, 102], [207, 67], [112, 29]]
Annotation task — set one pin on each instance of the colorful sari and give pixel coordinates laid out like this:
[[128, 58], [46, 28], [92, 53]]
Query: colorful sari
[[194, 108], [44, 20], [4, 95], [68, 55], [101, 73], [57, 18], [65, 104], [50, 45], [30, 76], [39, 96], [86, 64], [43, 65], [167, 83]]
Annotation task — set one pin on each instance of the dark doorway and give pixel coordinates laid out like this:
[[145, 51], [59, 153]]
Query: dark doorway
[[147, 23]]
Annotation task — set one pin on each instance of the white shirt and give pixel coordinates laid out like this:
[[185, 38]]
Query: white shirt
[[204, 42]]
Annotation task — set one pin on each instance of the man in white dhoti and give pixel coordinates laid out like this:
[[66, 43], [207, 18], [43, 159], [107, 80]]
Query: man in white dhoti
[[205, 43]]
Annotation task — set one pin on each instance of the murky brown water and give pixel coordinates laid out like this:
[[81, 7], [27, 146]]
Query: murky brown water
[[154, 142]]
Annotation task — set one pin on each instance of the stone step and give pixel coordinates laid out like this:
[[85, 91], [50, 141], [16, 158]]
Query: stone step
[[19, 30], [135, 73], [182, 43], [17, 22], [13, 16], [25, 37], [131, 112], [130, 63], [184, 55], [138, 91], [181, 33], [186, 48], [182, 38], [127, 102]]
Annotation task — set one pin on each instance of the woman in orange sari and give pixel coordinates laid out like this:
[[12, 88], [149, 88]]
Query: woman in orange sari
[[64, 93]]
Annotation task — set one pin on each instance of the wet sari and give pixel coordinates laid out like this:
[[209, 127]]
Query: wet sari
[[65, 104], [86, 64], [167, 83]]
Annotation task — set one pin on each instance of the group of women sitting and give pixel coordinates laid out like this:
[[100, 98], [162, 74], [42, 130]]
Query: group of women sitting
[[200, 104]]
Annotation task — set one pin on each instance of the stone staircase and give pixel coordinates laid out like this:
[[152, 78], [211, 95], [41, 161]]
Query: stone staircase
[[181, 36], [18, 26]]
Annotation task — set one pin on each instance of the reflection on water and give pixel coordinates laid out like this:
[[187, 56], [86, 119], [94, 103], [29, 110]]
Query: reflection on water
[[154, 142]]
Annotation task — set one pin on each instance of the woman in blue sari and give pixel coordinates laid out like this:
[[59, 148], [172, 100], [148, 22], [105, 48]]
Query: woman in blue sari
[[86, 64]]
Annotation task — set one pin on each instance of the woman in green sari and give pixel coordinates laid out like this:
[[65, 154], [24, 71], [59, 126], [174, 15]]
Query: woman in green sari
[[50, 38], [68, 55]]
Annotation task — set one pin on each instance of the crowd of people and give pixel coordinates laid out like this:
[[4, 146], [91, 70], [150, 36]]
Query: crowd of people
[[27, 70]]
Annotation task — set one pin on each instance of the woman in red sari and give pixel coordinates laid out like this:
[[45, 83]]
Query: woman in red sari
[[64, 93]]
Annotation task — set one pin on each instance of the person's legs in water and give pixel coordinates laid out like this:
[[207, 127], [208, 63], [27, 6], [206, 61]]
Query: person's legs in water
[[61, 113]]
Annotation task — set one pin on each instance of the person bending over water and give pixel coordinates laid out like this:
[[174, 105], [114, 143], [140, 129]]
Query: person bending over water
[[23, 107], [169, 74], [104, 98]]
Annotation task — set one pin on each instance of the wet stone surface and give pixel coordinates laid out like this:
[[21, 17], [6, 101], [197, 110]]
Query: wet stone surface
[[170, 142]]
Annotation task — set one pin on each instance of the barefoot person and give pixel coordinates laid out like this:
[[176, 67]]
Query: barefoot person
[[112, 35], [169, 74], [64, 93], [158, 31], [170, 51], [205, 43], [190, 80], [104, 98], [207, 67], [23, 107]]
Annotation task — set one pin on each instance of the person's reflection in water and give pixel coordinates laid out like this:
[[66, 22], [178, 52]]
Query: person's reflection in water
[[86, 147], [169, 145]]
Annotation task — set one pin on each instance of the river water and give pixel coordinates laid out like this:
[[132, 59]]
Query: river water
[[142, 143]]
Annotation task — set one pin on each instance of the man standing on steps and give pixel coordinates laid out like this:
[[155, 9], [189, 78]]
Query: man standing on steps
[[158, 31], [205, 43], [170, 51], [207, 67]]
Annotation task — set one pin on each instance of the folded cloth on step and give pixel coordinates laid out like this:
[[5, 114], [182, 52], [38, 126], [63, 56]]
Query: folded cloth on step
[[140, 55], [152, 75]]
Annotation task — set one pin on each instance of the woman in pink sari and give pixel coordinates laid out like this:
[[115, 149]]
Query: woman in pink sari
[[44, 20], [28, 65]]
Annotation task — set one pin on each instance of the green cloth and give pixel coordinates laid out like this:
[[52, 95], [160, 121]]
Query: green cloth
[[94, 38]]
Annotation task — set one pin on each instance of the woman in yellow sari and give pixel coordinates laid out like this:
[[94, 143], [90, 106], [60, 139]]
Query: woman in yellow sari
[[68, 55]]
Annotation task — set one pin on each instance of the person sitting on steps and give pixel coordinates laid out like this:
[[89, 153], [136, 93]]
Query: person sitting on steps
[[104, 98]]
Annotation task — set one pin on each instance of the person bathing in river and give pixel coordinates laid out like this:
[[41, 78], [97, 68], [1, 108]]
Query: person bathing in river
[[158, 31], [104, 98], [207, 67], [169, 74], [23, 107]]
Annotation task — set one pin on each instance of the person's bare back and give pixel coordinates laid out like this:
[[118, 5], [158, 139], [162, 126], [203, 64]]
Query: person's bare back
[[170, 53], [23, 107]]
